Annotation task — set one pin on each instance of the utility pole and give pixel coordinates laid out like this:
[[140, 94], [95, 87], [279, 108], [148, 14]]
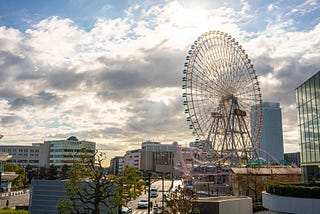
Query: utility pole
[[1, 169], [162, 200], [149, 184]]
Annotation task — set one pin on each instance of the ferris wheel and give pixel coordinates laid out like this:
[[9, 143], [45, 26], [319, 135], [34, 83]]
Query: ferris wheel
[[222, 98]]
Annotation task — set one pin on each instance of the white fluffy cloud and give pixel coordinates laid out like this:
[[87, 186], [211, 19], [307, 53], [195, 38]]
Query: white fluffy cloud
[[118, 83]]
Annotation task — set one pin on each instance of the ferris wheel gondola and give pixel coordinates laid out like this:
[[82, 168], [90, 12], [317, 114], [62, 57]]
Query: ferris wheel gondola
[[222, 97]]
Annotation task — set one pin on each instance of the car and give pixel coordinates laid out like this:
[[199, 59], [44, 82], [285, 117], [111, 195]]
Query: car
[[153, 193], [126, 210], [165, 196], [143, 204]]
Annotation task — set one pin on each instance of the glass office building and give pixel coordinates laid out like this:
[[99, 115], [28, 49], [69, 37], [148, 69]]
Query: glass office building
[[271, 139], [308, 104]]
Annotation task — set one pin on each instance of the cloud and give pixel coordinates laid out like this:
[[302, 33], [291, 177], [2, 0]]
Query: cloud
[[10, 120], [119, 82]]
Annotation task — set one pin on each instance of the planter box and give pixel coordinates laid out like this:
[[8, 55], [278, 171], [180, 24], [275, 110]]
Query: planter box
[[290, 204]]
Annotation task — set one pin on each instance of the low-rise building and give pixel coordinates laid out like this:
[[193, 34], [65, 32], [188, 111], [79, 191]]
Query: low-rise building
[[293, 158], [23, 155], [55, 152], [65, 152], [252, 181]]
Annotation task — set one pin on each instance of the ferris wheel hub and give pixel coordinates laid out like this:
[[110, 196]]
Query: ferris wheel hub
[[221, 88]]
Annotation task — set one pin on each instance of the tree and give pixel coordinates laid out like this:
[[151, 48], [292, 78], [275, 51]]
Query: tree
[[90, 189], [52, 172], [64, 172], [182, 200], [21, 179]]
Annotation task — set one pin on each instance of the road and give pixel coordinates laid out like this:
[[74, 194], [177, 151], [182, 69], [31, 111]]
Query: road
[[22, 199], [158, 185]]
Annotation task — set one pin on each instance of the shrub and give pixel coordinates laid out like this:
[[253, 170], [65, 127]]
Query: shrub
[[7, 210], [294, 190]]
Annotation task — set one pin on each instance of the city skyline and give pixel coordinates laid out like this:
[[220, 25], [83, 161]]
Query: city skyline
[[111, 72]]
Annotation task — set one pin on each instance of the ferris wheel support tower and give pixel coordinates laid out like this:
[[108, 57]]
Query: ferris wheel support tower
[[221, 89]]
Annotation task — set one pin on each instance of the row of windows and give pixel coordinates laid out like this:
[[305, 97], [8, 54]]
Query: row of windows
[[61, 161], [309, 111], [65, 156], [72, 150], [23, 155], [23, 161], [19, 150], [310, 152], [308, 90]]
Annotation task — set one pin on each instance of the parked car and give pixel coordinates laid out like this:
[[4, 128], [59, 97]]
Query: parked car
[[126, 210], [143, 203]]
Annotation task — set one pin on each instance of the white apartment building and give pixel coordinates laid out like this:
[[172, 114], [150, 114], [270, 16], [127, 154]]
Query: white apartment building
[[23, 155], [56, 152], [132, 158]]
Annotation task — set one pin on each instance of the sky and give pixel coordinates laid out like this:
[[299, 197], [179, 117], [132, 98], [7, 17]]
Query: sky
[[111, 71]]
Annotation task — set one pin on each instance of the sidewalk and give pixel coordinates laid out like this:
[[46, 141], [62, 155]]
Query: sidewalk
[[16, 198]]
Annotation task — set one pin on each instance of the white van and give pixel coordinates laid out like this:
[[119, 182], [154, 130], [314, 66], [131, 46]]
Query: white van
[[153, 192]]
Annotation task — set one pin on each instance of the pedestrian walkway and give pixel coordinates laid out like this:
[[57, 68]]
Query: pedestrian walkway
[[15, 198]]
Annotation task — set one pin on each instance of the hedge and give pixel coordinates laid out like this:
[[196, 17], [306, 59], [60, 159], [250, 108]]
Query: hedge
[[294, 190]]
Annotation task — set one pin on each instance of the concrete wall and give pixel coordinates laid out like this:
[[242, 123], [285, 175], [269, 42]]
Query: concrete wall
[[225, 205], [290, 204]]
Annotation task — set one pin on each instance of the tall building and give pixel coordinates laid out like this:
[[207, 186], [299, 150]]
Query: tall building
[[271, 139], [308, 104]]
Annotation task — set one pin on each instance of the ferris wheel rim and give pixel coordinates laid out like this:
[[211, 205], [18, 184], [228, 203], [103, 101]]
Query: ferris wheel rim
[[208, 91]]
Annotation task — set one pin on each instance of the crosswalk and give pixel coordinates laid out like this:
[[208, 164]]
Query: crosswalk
[[140, 212]]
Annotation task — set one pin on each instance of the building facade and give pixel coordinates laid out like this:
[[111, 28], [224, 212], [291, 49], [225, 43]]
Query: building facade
[[116, 165], [57, 152], [65, 152], [23, 155], [308, 104], [271, 140], [292, 158], [157, 157], [132, 159]]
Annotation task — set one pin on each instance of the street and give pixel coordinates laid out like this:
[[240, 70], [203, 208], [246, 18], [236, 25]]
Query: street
[[22, 199], [157, 200]]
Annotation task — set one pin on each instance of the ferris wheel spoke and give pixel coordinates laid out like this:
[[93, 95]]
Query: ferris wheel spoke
[[221, 81]]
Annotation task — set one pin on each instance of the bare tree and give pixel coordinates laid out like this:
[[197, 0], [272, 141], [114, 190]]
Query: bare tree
[[183, 201], [89, 189]]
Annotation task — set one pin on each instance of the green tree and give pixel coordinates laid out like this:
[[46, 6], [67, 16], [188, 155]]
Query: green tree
[[130, 185], [64, 172], [89, 189], [182, 200], [20, 181], [52, 172]]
